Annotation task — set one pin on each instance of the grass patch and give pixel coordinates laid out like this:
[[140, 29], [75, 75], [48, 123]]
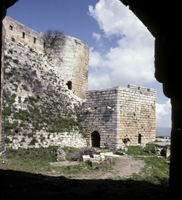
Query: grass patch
[[156, 171], [44, 154], [138, 150]]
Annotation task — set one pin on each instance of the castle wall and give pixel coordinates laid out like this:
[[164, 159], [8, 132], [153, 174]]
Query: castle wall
[[70, 58], [71, 61], [71, 139], [23, 34], [99, 113], [137, 119], [122, 116]]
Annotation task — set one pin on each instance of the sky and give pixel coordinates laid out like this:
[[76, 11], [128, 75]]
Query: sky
[[121, 47]]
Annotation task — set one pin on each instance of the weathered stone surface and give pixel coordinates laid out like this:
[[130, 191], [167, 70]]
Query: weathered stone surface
[[34, 87], [97, 151], [85, 158], [108, 160], [70, 59], [165, 152], [60, 155], [95, 165], [119, 116], [131, 122]]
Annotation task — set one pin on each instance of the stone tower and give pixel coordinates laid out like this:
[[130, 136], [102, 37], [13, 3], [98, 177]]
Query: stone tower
[[70, 59]]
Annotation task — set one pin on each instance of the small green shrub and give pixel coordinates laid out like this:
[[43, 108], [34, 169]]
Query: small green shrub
[[7, 140], [30, 135], [15, 61], [23, 140], [10, 51], [150, 148], [19, 99], [44, 154], [33, 141], [7, 57], [12, 39]]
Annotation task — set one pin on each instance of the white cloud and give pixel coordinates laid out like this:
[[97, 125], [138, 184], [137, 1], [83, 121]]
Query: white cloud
[[95, 59], [163, 114], [96, 36], [97, 81], [132, 60]]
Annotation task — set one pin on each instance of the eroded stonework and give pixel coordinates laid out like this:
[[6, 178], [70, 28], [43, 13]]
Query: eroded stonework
[[70, 59], [111, 118], [120, 116]]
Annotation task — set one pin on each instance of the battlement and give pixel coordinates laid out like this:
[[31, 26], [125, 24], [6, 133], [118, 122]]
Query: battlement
[[131, 88], [143, 90], [23, 34]]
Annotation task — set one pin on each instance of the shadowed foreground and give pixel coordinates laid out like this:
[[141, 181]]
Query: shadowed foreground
[[23, 185]]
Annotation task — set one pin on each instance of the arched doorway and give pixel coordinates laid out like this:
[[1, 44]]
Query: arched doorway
[[69, 84], [95, 139]]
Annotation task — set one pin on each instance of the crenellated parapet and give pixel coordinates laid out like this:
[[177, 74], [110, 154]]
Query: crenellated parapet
[[23, 34]]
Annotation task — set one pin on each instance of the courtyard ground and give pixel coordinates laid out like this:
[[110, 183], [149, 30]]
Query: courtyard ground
[[128, 177]]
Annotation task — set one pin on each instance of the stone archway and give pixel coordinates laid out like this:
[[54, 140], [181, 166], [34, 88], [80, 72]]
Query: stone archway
[[95, 137]]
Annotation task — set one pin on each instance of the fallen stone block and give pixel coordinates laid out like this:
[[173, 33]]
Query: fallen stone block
[[85, 158], [102, 157], [108, 160], [97, 151], [165, 152], [60, 155], [92, 159], [97, 157], [95, 164]]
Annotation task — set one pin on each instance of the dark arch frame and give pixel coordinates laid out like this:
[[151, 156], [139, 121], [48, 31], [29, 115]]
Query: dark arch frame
[[167, 66]]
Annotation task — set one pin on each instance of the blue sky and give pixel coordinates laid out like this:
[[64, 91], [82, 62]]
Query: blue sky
[[121, 48]]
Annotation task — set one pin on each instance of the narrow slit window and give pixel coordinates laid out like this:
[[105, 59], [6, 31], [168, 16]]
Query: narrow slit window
[[10, 28], [34, 40], [23, 35], [69, 84]]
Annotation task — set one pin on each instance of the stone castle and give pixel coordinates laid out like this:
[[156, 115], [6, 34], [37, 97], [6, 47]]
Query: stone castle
[[110, 117], [70, 60]]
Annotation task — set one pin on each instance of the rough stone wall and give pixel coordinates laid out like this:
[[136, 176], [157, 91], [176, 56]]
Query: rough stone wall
[[38, 109], [2, 147], [70, 58], [99, 113], [16, 30], [122, 116], [137, 119], [71, 61], [46, 139]]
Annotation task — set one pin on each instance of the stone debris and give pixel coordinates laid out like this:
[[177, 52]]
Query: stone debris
[[97, 151], [93, 157], [60, 155], [95, 164], [96, 160], [85, 158], [108, 160]]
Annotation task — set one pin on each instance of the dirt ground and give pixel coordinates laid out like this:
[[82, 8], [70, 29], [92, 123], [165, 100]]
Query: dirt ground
[[96, 186], [124, 167]]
